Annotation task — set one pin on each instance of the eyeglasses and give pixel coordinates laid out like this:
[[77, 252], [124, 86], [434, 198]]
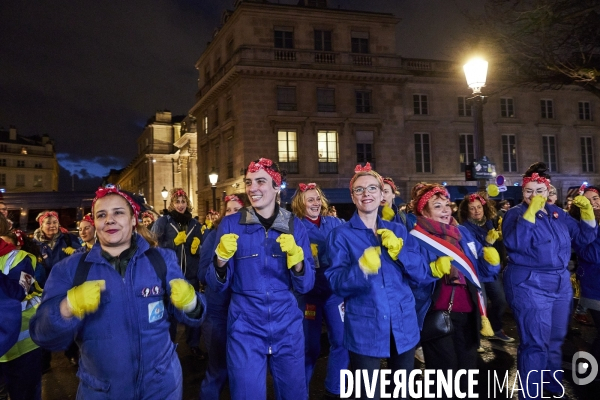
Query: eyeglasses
[[370, 189], [529, 192], [552, 194]]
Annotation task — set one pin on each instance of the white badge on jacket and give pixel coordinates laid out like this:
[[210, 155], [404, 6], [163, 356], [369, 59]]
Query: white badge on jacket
[[473, 249]]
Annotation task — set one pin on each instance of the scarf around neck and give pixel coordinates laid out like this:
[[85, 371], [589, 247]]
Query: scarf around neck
[[448, 232]]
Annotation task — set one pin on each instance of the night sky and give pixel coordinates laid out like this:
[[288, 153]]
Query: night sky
[[91, 73]]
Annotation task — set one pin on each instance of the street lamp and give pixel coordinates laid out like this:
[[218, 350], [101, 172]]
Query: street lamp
[[165, 194], [476, 72], [213, 177]]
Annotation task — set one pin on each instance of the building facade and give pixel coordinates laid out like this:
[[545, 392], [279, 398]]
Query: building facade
[[27, 163], [320, 90], [166, 159]]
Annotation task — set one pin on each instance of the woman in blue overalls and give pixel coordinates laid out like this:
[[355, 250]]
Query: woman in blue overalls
[[477, 214], [180, 232], [271, 258], [538, 238], [371, 262], [217, 305], [310, 205]]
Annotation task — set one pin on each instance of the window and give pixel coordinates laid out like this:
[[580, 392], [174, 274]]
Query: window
[[216, 118], [284, 38], [217, 64], [325, 100], [587, 154], [464, 108], [327, 144], [584, 110], [20, 180], [2, 179], [287, 146], [206, 74], [3, 148], [360, 42], [509, 153], [205, 124], [547, 109], [420, 104], [323, 40], [363, 101], [286, 98], [230, 157], [206, 170], [228, 108], [549, 150], [422, 152], [507, 109], [2, 162], [37, 181], [364, 148], [20, 164], [466, 150], [39, 165]]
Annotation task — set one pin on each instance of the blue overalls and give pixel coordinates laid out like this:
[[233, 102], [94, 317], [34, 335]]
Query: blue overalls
[[264, 324], [322, 302], [538, 288]]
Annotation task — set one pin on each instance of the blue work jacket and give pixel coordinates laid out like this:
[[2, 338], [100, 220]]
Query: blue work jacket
[[216, 302], [479, 233], [380, 304], [545, 245], [588, 270], [52, 255], [166, 228], [263, 306], [318, 235], [126, 351]]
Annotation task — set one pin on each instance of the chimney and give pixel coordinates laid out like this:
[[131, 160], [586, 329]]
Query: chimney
[[45, 139], [12, 133]]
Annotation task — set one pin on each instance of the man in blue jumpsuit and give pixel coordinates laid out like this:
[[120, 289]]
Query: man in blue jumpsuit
[[263, 253]]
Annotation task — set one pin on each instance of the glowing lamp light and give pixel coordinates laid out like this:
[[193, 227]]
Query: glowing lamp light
[[164, 193], [476, 73], [213, 177]]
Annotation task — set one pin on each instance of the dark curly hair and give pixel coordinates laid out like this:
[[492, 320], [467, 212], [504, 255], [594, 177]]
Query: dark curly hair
[[489, 208], [538, 167]]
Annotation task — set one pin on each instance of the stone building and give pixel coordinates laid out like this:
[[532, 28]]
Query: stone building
[[167, 158], [27, 163]]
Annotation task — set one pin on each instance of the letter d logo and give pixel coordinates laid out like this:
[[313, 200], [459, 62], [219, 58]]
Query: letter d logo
[[588, 365]]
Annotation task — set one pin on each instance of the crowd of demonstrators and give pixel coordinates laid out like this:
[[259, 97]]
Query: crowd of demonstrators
[[116, 301], [320, 304], [445, 243], [217, 306], [273, 277], [478, 215], [538, 238], [20, 363], [262, 255], [179, 231], [371, 262]]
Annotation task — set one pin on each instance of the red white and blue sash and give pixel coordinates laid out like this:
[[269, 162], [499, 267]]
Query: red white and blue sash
[[442, 247]]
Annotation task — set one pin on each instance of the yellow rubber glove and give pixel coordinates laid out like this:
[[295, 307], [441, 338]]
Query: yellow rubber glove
[[486, 327], [390, 241], [183, 295], [69, 250], [491, 255], [314, 249], [180, 238], [387, 212], [499, 228], [227, 246], [492, 236], [195, 245], [536, 204], [85, 298], [441, 266], [587, 212], [295, 254], [203, 229], [209, 224], [370, 261]]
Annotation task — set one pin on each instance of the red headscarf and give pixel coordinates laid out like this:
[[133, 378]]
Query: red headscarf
[[110, 189], [475, 196], [427, 196], [306, 186], [535, 177], [266, 164], [233, 197]]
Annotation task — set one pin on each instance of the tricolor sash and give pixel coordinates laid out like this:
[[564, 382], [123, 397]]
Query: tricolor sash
[[441, 247]]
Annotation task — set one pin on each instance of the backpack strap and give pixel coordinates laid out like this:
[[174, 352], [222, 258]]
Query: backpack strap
[[82, 271], [157, 261]]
